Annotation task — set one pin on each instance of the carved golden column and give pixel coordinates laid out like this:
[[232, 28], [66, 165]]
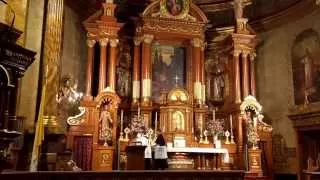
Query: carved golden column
[[146, 69], [253, 76], [245, 75], [237, 86], [196, 58], [90, 59], [136, 71], [103, 63], [112, 64], [52, 57]]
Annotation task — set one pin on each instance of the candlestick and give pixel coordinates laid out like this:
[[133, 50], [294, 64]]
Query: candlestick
[[156, 122], [121, 125], [213, 114], [231, 131], [201, 124], [121, 121]]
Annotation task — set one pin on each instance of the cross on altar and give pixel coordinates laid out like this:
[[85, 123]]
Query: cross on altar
[[176, 78]]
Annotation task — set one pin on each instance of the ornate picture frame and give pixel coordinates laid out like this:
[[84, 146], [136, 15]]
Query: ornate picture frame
[[176, 9]]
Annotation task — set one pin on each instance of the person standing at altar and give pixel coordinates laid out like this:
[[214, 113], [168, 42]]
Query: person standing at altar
[[147, 153], [160, 152]]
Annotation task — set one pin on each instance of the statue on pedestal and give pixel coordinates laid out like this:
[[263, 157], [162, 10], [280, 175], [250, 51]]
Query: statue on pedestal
[[105, 121]]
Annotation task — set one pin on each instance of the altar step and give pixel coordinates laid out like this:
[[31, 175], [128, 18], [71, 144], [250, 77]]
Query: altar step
[[131, 175]]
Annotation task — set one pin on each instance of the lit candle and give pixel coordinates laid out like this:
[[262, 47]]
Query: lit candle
[[231, 125], [121, 121], [156, 122]]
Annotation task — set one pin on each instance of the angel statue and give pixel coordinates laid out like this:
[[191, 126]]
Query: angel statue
[[105, 121]]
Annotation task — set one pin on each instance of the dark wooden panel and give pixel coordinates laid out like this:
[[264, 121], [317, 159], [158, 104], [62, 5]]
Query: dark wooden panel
[[132, 175]]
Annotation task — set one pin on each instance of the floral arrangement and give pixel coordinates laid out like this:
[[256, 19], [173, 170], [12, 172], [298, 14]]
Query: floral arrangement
[[215, 127], [138, 125]]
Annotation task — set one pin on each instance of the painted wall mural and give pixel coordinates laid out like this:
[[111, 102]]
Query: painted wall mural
[[306, 67], [168, 68]]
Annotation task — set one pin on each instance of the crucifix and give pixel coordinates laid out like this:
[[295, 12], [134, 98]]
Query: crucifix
[[176, 78]]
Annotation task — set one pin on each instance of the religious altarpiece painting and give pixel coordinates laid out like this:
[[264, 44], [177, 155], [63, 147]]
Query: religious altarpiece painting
[[168, 69], [306, 67]]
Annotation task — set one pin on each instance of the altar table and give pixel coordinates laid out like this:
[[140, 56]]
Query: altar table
[[179, 157]]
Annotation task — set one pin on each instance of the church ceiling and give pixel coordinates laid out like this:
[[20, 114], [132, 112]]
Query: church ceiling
[[219, 12]]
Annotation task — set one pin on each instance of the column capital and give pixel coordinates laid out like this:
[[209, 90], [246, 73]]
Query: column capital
[[253, 56], [137, 40], [148, 38], [104, 41], [236, 53], [91, 43], [197, 42], [203, 46], [114, 42]]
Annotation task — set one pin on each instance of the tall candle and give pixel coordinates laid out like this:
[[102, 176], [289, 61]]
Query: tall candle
[[121, 121], [201, 124], [138, 112], [156, 122], [213, 114], [231, 125]]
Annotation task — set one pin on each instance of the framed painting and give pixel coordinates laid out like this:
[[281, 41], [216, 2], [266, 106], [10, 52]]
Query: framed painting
[[175, 8], [306, 67], [168, 69]]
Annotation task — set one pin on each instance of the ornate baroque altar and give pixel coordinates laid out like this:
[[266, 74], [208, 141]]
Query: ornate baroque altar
[[199, 95]]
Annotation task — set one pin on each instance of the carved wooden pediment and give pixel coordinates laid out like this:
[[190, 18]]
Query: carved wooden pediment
[[183, 17], [103, 23]]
